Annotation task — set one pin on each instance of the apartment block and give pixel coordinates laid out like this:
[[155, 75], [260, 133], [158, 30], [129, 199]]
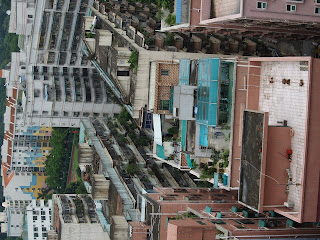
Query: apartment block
[[288, 19], [27, 219], [39, 219], [58, 82], [74, 216]]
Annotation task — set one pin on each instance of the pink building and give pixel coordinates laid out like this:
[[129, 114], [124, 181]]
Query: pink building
[[235, 225], [279, 167], [207, 214], [165, 204], [285, 18]]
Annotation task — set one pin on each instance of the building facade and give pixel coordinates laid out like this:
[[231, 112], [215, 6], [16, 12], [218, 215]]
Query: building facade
[[276, 19], [74, 216], [59, 84], [39, 219]]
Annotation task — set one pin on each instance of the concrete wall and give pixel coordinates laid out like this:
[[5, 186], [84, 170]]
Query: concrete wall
[[223, 8]]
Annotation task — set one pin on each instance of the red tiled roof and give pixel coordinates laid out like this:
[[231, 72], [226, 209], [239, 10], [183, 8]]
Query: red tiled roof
[[6, 177], [11, 128], [14, 93], [13, 111]]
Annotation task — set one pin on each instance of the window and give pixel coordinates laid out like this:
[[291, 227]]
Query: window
[[317, 1], [43, 217], [165, 72], [123, 73], [317, 10], [36, 235], [291, 8], [30, 16], [261, 5], [65, 114], [35, 218], [164, 104], [76, 114]]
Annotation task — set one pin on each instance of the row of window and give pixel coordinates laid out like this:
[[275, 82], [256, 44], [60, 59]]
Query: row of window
[[67, 114], [36, 218], [290, 7]]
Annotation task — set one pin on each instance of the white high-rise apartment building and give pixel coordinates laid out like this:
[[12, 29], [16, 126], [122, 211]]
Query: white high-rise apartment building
[[39, 219], [58, 82]]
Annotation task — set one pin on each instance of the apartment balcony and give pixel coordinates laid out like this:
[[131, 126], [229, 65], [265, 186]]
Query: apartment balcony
[[83, 6], [60, 4], [76, 39], [44, 29], [98, 95], [72, 5], [62, 58], [55, 30], [73, 59], [78, 89], [87, 89]]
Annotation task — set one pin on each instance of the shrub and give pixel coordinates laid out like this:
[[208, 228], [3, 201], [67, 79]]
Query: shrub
[[194, 164], [170, 19], [173, 130], [133, 60], [132, 169]]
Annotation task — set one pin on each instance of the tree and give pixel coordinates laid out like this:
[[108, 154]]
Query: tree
[[132, 169], [142, 141], [124, 116], [77, 187], [173, 130], [207, 172]]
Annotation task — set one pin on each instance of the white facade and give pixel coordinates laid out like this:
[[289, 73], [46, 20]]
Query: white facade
[[39, 219], [60, 85]]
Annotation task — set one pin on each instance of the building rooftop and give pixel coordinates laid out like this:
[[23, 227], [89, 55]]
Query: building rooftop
[[281, 90]]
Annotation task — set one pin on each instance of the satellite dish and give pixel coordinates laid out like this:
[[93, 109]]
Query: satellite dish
[[8, 12]]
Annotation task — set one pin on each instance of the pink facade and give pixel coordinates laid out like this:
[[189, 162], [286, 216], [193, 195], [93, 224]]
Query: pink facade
[[271, 18], [305, 10]]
